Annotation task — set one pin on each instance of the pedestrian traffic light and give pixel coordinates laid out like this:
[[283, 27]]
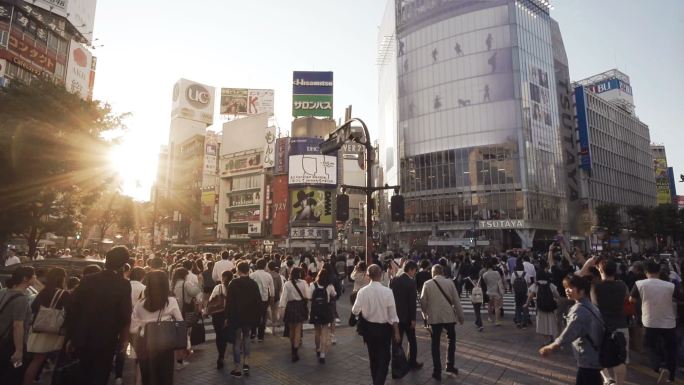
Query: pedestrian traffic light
[[343, 207], [397, 208]]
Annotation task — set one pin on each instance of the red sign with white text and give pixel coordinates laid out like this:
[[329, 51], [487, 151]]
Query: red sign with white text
[[281, 219], [32, 51]]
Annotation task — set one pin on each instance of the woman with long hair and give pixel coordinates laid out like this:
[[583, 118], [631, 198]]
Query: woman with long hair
[[156, 368], [293, 300], [54, 296], [360, 279], [322, 294]]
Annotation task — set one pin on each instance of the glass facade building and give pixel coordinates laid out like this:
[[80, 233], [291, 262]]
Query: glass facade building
[[476, 135]]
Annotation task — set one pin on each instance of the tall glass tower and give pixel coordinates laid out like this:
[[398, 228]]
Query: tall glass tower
[[469, 121]]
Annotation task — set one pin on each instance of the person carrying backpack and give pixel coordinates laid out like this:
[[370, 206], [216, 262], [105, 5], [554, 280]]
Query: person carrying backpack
[[477, 299], [584, 327], [519, 285], [321, 313], [546, 296]]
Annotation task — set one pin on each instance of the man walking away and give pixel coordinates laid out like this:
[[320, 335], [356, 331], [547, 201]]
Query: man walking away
[[98, 319], [224, 264], [439, 301], [375, 303], [658, 318], [404, 289], [243, 309], [267, 290]]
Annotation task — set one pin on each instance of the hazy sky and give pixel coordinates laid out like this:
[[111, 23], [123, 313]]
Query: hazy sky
[[149, 44]]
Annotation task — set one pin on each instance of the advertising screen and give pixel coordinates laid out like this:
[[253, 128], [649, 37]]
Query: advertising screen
[[662, 182], [313, 169], [311, 206]]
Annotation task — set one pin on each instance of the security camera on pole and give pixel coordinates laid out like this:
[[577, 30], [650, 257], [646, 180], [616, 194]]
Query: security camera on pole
[[334, 142]]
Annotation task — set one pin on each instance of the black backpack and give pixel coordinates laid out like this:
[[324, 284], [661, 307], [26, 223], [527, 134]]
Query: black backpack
[[613, 349], [320, 304], [520, 285], [545, 301]]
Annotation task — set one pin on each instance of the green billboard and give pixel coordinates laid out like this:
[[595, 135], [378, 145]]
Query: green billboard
[[312, 105]]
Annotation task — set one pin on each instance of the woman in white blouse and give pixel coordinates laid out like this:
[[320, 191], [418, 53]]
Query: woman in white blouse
[[157, 305], [293, 299]]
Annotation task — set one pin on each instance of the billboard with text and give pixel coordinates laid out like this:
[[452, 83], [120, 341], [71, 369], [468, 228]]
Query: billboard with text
[[312, 93], [244, 101], [311, 206]]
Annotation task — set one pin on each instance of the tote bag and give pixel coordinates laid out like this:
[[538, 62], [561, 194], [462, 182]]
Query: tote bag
[[49, 319], [161, 336]]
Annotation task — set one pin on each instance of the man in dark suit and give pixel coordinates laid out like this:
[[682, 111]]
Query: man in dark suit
[[404, 289], [98, 319]]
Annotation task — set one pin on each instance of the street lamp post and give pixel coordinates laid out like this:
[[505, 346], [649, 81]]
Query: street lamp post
[[334, 142]]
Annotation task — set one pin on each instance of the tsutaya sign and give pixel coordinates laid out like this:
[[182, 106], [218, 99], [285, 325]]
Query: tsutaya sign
[[503, 224]]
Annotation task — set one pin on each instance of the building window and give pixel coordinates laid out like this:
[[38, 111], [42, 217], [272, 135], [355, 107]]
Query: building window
[[4, 36]]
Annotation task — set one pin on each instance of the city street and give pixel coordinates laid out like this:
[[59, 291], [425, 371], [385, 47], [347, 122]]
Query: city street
[[501, 355]]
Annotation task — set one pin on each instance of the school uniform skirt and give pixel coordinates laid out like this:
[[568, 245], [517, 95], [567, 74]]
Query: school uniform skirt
[[296, 312]]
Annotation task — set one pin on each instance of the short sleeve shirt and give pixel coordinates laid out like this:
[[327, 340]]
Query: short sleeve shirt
[[16, 310]]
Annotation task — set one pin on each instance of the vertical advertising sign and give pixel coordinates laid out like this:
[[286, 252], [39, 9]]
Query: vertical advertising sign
[[281, 156], [662, 181], [79, 68], [210, 155], [281, 218], [269, 149], [583, 129], [312, 94]]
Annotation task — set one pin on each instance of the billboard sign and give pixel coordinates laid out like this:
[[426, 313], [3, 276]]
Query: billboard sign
[[241, 164], [254, 228], [243, 101], [210, 155], [208, 202], [282, 151], [58, 7], [81, 14], [32, 55], [312, 93], [312, 206], [79, 67], [245, 215], [281, 220], [662, 181], [583, 129], [269, 149], [194, 101], [610, 84], [312, 105], [353, 164], [313, 169], [310, 233]]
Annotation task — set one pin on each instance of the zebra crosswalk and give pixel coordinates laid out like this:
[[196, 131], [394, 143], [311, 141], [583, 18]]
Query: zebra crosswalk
[[210, 333]]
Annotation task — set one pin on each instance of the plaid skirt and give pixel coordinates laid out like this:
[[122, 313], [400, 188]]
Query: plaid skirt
[[296, 312]]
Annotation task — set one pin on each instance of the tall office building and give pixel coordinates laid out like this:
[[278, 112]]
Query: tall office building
[[616, 164], [470, 122]]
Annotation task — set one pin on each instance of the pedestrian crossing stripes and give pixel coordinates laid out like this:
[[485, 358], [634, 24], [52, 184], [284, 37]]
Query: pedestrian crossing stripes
[[210, 333]]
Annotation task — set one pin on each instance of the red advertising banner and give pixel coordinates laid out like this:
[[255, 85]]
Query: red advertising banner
[[281, 216], [31, 50]]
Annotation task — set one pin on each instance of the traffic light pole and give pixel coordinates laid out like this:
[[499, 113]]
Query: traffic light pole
[[335, 141]]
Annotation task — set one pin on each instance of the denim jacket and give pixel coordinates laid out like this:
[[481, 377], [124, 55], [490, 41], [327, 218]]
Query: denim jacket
[[581, 325]]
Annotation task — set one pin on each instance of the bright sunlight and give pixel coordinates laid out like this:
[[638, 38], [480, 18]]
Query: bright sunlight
[[135, 161]]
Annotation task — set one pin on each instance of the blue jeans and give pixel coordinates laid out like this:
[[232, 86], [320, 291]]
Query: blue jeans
[[522, 315], [478, 317], [241, 345]]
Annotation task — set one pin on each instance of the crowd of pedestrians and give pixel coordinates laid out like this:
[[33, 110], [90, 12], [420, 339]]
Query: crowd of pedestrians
[[86, 326]]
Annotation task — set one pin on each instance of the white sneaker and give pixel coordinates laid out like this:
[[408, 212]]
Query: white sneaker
[[183, 365], [333, 340]]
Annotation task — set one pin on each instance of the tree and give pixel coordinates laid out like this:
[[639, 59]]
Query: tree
[[666, 220], [52, 158], [641, 222], [608, 217]]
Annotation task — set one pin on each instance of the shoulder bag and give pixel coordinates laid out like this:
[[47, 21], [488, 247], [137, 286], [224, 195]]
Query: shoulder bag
[[189, 312], [218, 303], [161, 336], [50, 319], [306, 305], [613, 349]]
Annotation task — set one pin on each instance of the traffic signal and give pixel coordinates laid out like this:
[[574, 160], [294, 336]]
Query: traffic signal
[[397, 208], [328, 203], [343, 207]]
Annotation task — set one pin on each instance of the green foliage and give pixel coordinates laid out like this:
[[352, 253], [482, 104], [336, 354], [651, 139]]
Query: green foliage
[[608, 217], [53, 159], [641, 221]]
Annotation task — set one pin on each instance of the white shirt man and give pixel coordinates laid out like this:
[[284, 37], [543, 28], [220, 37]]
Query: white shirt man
[[265, 282], [220, 267], [530, 272], [12, 259]]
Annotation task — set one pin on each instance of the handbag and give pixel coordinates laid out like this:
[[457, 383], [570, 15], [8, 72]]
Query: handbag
[[50, 319], [198, 333], [161, 336], [400, 365], [189, 311], [218, 303]]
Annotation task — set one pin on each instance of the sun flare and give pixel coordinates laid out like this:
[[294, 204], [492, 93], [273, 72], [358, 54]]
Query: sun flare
[[135, 161]]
